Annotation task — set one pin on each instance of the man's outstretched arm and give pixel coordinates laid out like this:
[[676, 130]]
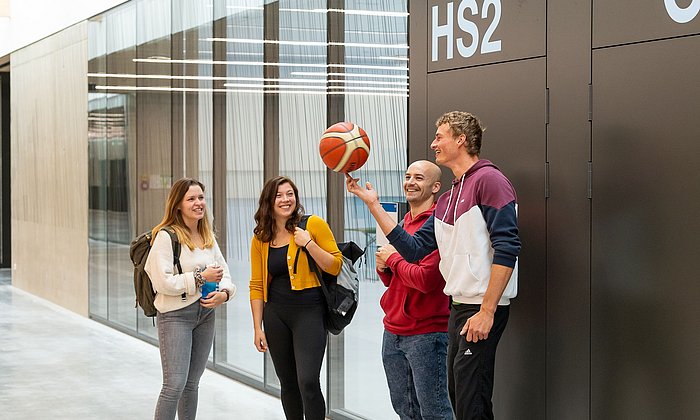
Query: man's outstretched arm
[[411, 248]]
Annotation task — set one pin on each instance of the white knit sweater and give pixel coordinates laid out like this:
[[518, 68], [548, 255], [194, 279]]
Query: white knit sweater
[[169, 285]]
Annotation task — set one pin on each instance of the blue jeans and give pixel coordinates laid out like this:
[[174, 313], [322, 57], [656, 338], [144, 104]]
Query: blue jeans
[[416, 372], [185, 337]]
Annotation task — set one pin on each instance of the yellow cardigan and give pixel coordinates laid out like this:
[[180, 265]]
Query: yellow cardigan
[[304, 278]]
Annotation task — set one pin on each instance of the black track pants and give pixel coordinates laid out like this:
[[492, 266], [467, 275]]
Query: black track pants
[[470, 366]]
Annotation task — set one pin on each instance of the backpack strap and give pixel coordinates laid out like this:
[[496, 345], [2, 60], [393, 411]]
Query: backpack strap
[[302, 225], [176, 252], [312, 263], [314, 268], [176, 248]]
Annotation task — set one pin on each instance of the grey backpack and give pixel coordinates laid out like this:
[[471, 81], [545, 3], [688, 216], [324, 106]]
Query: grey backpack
[[342, 291]]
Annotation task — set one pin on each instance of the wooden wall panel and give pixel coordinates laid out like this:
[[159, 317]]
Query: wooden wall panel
[[49, 169]]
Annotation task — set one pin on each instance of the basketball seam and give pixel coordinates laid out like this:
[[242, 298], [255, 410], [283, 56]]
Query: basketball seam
[[343, 161], [340, 145]]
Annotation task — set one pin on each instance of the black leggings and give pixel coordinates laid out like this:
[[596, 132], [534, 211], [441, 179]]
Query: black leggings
[[296, 336]]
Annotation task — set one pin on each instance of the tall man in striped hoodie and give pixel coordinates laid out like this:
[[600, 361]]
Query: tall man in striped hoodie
[[474, 226]]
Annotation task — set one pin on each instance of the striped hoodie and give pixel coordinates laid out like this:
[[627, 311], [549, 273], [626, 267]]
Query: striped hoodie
[[474, 225]]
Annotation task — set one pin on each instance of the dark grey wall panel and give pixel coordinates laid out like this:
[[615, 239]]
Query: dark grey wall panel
[[568, 210], [625, 21], [646, 202], [419, 135], [513, 109], [607, 265], [509, 30]]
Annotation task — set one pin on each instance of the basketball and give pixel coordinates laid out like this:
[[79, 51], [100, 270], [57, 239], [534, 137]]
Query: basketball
[[344, 147]]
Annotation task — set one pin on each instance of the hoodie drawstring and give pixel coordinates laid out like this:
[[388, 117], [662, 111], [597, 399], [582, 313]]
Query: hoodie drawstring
[[449, 201]]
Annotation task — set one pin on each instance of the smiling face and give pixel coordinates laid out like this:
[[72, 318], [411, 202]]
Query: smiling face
[[447, 147], [192, 206], [421, 182], [285, 202]]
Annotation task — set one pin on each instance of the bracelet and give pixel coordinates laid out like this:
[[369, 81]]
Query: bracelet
[[307, 244], [227, 295], [198, 278]]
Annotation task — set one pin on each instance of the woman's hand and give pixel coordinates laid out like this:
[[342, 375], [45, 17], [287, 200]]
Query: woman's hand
[[260, 341], [213, 299], [301, 237], [213, 273]]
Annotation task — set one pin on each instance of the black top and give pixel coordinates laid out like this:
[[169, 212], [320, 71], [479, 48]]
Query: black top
[[280, 288]]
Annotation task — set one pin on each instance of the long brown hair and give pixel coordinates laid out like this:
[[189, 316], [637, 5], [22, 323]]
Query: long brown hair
[[173, 216], [265, 227]]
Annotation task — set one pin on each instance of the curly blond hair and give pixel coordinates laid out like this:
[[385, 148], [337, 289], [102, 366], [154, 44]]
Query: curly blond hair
[[461, 122]]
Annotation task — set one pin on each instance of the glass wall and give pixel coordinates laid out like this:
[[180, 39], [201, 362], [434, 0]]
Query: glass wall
[[241, 43], [376, 96], [232, 92]]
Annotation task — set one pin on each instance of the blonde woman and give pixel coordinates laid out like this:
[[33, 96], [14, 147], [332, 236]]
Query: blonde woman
[[185, 315]]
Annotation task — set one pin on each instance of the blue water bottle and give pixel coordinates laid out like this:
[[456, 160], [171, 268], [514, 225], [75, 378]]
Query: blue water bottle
[[209, 286]]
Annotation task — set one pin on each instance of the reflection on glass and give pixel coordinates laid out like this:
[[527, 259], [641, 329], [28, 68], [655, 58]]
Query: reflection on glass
[[164, 92], [99, 123], [384, 119], [302, 117], [150, 148], [119, 208], [244, 180]]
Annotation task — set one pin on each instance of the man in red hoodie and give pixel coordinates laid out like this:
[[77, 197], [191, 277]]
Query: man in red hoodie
[[414, 347]]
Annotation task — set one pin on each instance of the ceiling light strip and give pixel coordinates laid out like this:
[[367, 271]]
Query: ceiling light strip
[[387, 76], [304, 43], [329, 88], [345, 11], [236, 78], [259, 63], [275, 91]]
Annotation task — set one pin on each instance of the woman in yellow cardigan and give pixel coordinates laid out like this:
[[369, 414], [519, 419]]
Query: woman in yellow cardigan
[[288, 305]]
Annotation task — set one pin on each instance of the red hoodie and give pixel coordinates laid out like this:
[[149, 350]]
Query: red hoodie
[[414, 302]]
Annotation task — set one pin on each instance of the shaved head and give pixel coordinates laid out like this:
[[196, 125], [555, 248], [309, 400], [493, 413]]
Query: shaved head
[[431, 171], [421, 185]]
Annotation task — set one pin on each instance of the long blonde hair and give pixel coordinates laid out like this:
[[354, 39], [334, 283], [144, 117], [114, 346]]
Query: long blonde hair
[[173, 216]]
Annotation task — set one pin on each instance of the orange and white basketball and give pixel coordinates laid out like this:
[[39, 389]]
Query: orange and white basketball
[[344, 147]]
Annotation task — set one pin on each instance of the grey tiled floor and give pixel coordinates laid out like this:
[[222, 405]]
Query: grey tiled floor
[[55, 364]]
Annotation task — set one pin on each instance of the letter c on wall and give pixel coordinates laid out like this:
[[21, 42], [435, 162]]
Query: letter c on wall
[[680, 14]]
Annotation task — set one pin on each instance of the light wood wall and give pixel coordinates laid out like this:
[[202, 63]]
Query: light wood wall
[[49, 169]]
